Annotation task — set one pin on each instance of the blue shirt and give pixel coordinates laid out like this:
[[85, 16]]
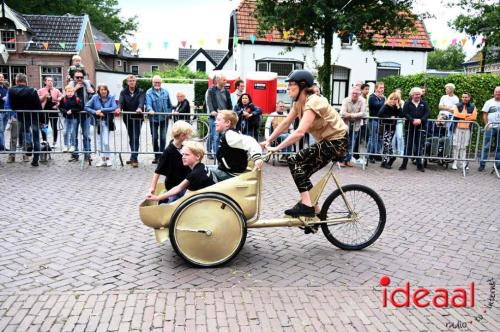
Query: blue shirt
[[158, 101]]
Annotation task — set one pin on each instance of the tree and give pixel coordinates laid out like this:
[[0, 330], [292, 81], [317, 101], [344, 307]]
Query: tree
[[448, 59], [482, 18], [103, 14], [314, 20]]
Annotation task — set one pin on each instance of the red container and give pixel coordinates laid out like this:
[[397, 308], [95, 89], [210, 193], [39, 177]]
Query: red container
[[262, 87], [231, 76]]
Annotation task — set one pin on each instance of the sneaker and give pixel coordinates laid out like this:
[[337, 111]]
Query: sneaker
[[72, 149], [421, 169], [26, 158], [481, 168], [402, 168], [65, 149], [34, 163], [109, 163], [134, 163], [454, 165], [155, 161], [348, 164], [300, 210], [128, 162], [100, 163], [11, 159], [73, 159]]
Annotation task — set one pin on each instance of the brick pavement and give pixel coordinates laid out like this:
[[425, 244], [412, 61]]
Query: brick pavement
[[75, 256]]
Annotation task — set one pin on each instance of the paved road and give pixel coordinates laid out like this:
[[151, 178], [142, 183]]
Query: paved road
[[75, 256]]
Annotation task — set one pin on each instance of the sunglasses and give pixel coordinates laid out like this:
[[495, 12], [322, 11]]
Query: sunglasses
[[78, 77]]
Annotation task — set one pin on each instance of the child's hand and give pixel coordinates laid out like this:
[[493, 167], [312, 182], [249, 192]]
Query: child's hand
[[259, 163], [152, 197], [69, 112], [90, 90], [151, 190]]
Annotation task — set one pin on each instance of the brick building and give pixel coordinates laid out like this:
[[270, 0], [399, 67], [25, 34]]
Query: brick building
[[43, 45]]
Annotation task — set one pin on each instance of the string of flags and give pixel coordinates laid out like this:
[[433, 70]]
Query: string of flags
[[443, 42]]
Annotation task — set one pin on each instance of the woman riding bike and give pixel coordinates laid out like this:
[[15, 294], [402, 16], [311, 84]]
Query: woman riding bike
[[318, 118]]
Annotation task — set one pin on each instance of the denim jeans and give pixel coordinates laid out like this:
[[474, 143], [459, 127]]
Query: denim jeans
[[134, 133], [162, 126], [280, 139], [71, 126], [103, 138], [398, 141], [351, 143], [3, 124], [213, 137], [488, 136], [374, 143], [84, 121], [31, 133]]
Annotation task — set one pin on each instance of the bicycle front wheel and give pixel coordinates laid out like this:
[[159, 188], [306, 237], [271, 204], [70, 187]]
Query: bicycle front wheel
[[366, 222]]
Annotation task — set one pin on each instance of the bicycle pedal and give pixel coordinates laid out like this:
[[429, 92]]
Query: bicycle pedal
[[310, 229]]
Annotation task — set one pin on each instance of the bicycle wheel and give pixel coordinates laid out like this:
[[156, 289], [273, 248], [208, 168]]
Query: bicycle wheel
[[368, 218], [201, 129], [207, 230]]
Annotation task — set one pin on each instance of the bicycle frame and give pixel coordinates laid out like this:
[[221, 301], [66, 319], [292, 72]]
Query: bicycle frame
[[315, 193]]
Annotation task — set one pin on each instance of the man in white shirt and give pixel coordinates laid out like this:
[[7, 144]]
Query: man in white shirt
[[239, 88], [491, 119]]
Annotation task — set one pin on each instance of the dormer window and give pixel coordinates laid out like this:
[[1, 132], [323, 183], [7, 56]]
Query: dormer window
[[9, 39]]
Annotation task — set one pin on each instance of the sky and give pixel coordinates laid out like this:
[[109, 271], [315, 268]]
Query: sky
[[205, 23]]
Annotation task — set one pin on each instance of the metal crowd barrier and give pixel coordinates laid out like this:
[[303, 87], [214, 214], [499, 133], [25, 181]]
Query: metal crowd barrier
[[437, 141], [490, 151]]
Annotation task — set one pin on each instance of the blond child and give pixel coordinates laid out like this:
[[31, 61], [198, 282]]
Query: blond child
[[198, 178], [77, 66], [234, 148], [70, 106], [170, 164]]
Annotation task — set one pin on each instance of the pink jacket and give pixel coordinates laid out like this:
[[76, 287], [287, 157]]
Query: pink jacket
[[55, 93]]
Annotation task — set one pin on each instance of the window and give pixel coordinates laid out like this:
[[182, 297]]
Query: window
[[9, 39], [201, 66], [155, 68], [135, 70], [9, 72], [262, 66], [345, 39], [55, 73], [125, 66], [281, 68], [385, 69], [119, 63]]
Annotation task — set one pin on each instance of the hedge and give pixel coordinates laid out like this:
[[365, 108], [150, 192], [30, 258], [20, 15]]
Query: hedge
[[480, 87]]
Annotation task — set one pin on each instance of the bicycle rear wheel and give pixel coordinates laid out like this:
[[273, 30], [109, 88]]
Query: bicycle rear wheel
[[368, 219]]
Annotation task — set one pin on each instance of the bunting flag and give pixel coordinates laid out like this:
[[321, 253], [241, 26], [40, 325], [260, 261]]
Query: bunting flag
[[219, 40], [415, 42], [473, 40], [393, 43], [117, 47], [403, 42], [443, 42], [98, 46], [201, 42], [351, 36], [134, 46], [463, 41], [63, 45], [45, 45], [252, 39], [285, 35], [150, 45], [165, 44], [454, 42], [235, 41], [79, 46], [269, 37], [434, 42], [384, 43], [183, 43]]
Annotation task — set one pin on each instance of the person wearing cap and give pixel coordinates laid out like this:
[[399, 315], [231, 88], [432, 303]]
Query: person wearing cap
[[318, 118]]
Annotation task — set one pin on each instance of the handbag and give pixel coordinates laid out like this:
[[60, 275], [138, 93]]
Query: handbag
[[111, 123]]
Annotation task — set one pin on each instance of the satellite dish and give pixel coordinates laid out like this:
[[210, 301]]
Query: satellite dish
[[4, 53]]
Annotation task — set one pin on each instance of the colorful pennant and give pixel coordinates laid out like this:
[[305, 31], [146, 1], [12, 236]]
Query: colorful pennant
[[45, 45], [63, 45], [219, 41], [165, 44], [117, 47], [252, 39], [183, 43]]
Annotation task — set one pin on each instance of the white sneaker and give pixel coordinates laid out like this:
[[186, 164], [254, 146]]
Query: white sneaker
[[109, 163], [72, 149], [65, 148], [100, 163], [454, 166]]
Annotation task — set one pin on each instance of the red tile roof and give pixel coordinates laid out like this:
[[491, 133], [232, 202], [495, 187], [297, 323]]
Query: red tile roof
[[247, 26]]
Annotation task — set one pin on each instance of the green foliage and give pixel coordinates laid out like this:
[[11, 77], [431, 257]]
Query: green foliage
[[448, 59], [480, 86], [314, 20], [104, 14], [200, 88], [481, 18], [180, 71]]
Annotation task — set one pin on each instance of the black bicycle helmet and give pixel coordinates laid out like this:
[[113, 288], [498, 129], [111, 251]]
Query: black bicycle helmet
[[303, 78]]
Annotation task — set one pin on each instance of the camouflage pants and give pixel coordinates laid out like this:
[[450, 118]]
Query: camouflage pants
[[310, 160]]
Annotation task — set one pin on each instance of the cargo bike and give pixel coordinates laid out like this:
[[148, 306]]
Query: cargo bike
[[208, 227]]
